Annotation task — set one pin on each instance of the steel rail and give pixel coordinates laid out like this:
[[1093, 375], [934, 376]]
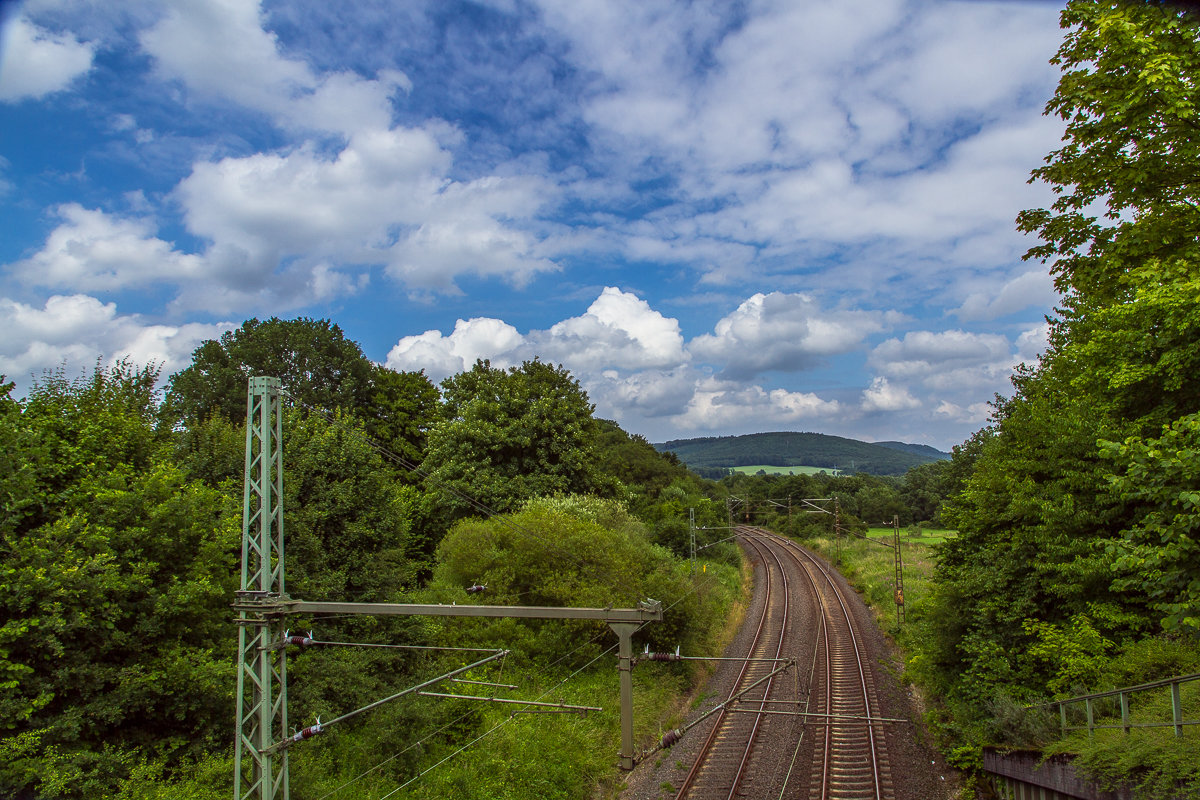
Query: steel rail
[[690, 779], [771, 631], [778, 649], [873, 746], [821, 647]]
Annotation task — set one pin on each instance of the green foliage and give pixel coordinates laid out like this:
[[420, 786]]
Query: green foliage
[[319, 368], [1130, 100], [510, 435], [1153, 760], [924, 489], [114, 591], [348, 523], [400, 410], [1077, 507], [569, 551], [317, 365], [120, 537], [643, 471], [1075, 651], [1160, 554]]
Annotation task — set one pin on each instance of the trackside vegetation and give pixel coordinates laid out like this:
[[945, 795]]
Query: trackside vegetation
[[1076, 567], [1076, 564], [121, 531]]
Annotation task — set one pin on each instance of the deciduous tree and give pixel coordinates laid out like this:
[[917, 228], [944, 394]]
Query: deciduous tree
[[509, 435]]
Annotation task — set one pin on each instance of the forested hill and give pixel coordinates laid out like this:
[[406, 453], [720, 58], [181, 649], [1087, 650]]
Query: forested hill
[[786, 449]]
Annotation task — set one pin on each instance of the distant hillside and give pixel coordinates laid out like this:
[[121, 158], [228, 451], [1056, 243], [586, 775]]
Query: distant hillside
[[802, 449], [916, 449]]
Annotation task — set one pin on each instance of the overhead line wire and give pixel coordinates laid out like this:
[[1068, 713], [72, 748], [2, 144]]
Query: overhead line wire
[[495, 516]]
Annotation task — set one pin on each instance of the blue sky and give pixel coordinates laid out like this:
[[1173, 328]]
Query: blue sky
[[722, 217]]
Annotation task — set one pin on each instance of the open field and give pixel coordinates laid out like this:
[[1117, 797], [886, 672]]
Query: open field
[[789, 470], [922, 535]]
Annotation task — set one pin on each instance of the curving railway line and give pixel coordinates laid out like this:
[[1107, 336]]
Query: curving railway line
[[814, 731]]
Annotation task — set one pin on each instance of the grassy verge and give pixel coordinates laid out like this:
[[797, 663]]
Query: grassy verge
[[1153, 761], [789, 470], [471, 750], [869, 564]]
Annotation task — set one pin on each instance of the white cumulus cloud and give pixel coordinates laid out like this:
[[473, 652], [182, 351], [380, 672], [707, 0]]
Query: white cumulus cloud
[[35, 62], [722, 405], [945, 359], [1032, 288], [220, 49], [882, 396], [92, 250], [780, 331], [74, 331], [472, 339], [619, 330]]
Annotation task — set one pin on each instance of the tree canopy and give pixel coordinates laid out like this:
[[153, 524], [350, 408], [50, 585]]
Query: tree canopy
[[120, 542], [509, 435], [1076, 518]]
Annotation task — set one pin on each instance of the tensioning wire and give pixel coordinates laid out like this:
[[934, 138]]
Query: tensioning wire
[[496, 516], [507, 720]]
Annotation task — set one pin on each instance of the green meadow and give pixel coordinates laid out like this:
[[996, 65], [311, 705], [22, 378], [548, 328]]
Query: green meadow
[[789, 470]]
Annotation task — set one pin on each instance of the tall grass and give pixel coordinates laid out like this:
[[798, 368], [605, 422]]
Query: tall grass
[[869, 564]]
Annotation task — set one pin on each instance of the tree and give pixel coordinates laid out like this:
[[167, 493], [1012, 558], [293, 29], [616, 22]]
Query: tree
[[114, 590], [509, 435], [401, 409], [565, 551], [317, 364], [348, 522], [319, 368], [1160, 554], [1131, 101], [1054, 528]]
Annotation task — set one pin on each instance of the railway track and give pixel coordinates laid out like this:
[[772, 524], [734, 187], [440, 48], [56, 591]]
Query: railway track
[[814, 731]]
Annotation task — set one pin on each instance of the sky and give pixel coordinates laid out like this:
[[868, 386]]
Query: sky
[[722, 217]]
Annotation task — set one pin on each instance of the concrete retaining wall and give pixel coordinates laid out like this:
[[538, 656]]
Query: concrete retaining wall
[[1022, 775]]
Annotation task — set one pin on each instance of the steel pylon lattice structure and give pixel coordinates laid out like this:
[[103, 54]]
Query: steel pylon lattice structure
[[262, 667]]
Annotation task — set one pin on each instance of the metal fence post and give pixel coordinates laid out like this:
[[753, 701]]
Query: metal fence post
[[1176, 710]]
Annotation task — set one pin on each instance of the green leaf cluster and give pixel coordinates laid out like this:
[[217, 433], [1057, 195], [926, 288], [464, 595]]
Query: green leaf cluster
[[114, 588], [510, 435], [1076, 512], [575, 550]]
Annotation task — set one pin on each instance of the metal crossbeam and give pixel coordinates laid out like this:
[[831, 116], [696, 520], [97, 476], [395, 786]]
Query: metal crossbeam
[[649, 612]]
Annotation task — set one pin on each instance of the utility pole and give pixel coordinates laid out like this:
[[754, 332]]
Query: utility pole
[[692, 535], [837, 529], [899, 572]]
